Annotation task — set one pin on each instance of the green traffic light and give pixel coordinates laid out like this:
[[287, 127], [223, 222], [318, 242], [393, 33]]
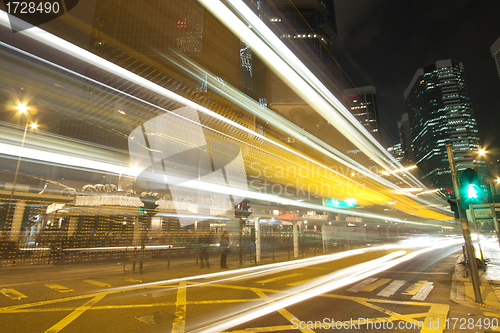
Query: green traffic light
[[472, 191]]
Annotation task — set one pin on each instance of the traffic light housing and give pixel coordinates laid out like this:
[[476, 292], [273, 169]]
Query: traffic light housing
[[452, 200], [241, 209], [470, 188]]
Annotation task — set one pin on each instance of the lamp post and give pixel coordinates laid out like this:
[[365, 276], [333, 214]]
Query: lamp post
[[22, 108]]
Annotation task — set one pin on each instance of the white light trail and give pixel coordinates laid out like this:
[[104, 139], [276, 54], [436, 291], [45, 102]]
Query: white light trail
[[63, 159], [311, 96], [295, 131], [68, 160], [320, 286], [292, 71], [297, 76]]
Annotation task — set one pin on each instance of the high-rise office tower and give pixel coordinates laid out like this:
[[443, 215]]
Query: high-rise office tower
[[396, 151], [440, 112], [495, 53], [406, 139], [362, 102]]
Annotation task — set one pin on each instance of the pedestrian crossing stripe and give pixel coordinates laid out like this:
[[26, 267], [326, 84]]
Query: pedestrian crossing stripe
[[419, 290], [423, 292], [414, 288], [12, 293], [375, 285], [59, 288], [391, 288], [97, 283], [361, 285]]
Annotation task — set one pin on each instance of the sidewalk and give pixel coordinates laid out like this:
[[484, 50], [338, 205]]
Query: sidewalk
[[462, 291]]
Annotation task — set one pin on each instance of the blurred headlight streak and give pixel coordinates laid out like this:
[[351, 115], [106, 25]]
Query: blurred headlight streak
[[290, 128], [313, 97], [320, 286], [214, 188], [291, 70]]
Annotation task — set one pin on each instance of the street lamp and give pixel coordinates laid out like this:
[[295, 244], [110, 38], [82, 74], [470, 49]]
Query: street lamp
[[23, 109]]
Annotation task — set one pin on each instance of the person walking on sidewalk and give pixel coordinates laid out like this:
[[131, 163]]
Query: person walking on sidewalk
[[224, 249], [204, 246]]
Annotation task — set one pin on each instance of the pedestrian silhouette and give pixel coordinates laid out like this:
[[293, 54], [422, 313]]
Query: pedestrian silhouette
[[224, 249]]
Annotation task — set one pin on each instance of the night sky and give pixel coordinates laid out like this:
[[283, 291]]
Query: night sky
[[384, 42]]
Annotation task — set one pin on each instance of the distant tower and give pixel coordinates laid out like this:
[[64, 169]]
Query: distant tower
[[362, 102], [396, 152], [440, 112], [495, 53], [406, 140]]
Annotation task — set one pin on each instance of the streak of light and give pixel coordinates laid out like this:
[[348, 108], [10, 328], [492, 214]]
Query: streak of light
[[63, 159], [72, 50], [292, 71], [427, 192], [192, 184], [290, 128], [193, 216], [64, 46], [268, 268], [215, 188], [202, 109], [134, 172], [320, 286], [412, 189]]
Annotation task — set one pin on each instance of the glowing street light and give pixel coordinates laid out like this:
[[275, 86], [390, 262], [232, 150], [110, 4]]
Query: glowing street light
[[482, 151], [22, 108]]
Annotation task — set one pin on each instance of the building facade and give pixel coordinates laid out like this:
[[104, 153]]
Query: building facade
[[440, 112], [396, 151]]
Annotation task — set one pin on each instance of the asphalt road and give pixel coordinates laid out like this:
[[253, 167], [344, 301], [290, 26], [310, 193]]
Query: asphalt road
[[369, 290]]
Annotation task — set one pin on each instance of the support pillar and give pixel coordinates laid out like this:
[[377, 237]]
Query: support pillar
[[17, 221], [295, 240], [136, 240], [257, 239]]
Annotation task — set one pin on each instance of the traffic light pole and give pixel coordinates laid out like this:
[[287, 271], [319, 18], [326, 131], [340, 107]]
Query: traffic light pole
[[493, 211], [465, 229]]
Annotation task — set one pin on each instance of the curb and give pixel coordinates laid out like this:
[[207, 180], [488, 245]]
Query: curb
[[458, 293]]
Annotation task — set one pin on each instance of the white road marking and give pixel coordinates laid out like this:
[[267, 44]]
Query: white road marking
[[392, 288]]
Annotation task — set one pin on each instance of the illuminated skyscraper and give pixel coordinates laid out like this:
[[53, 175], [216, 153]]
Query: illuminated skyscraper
[[440, 112], [396, 151]]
